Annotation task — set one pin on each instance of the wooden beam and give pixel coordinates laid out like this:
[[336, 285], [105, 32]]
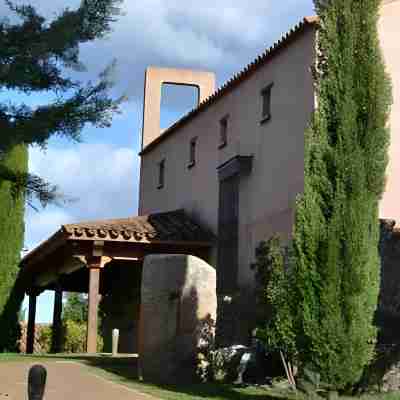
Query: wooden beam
[[30, 337]]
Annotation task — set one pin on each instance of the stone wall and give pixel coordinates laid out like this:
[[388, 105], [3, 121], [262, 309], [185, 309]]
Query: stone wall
[[178, 297]]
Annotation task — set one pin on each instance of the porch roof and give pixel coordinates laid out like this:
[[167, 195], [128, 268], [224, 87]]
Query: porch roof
[[127, 237], [173, 226]]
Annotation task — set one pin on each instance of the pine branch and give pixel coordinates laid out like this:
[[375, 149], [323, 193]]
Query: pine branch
[[20, 124], [32, 186], [33, 52]]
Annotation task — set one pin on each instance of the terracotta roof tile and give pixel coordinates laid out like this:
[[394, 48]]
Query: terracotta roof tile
[[236, 79], [169, 226]]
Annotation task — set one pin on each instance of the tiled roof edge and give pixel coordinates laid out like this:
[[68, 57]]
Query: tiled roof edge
[[236, 79]]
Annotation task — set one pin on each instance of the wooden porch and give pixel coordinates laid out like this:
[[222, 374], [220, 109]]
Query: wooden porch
[[84, 257]]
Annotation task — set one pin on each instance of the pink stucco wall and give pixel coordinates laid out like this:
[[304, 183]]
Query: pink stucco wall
[[389, 28], [267, 195]]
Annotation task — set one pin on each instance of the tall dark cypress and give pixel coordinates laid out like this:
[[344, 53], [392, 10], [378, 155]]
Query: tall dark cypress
[[11, 242], [336, 262]]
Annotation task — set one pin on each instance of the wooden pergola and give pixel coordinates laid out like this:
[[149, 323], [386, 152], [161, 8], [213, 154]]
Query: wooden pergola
[[77, 258]]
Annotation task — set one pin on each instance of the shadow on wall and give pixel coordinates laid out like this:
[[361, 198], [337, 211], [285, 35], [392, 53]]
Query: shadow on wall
[[387, 317], [385, 370], [119, 307]]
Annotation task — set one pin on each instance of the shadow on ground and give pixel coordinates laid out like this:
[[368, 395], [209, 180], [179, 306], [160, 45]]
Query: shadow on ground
[[125, 371]]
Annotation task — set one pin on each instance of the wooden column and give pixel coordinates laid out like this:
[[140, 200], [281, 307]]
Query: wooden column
[[30, 338], [140, 341], [95, 264], [94, 283], [57, 322]]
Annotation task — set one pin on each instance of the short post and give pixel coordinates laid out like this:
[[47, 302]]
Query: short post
[[115, 339], [36, 382]]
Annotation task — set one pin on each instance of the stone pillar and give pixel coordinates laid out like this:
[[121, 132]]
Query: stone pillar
[[30, 339], [94, 282], [56, 345]]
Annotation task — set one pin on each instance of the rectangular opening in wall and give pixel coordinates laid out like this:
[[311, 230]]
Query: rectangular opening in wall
[[223, 132], [266, 103], [192, 152], [161, 174], [176, 101]]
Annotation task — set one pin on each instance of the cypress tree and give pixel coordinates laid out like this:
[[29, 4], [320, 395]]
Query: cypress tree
[[336, 262], [11, 242], [333, 273]]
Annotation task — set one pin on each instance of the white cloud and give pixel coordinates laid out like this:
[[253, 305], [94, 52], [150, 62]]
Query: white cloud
[[102, 178], [220, 36]]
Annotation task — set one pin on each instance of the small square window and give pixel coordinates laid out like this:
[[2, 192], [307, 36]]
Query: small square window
[[161, 174], [192, 152], [266, 103], [223, 132]]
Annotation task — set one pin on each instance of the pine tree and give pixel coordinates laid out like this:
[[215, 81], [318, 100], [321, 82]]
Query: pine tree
[[336, 262], [34, 54]]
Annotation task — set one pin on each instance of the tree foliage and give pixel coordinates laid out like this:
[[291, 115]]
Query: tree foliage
[[274, 295], [34, 54], [11, 242], [75, 308], [334, 273]]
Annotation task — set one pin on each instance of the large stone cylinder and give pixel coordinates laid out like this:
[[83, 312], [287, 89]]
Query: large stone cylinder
[[178, 298]]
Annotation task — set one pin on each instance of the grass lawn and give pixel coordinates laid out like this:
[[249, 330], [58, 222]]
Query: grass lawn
[[123, 371]]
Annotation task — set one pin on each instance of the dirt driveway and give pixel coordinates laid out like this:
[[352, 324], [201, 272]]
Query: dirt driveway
[[66, 380]]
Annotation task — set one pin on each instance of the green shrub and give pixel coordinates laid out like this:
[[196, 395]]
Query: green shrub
[[273, 282], [45, 338], [75, 338]]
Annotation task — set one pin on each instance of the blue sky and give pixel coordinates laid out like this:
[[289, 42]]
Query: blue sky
[[102, 172]]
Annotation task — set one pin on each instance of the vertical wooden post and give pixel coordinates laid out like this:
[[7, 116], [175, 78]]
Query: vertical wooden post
[[140, 341], [57, 322], [30, 338], [94, 281]]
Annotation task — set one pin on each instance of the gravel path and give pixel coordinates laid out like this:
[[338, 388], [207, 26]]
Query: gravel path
[[66, 380]]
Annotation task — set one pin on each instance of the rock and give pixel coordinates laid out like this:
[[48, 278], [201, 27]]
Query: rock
[[178, 296], [226, 362]]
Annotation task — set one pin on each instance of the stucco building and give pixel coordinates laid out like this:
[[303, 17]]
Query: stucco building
[[233, 167]]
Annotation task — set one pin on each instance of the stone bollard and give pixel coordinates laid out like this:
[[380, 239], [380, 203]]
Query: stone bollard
[[36, 382], [115, 339]]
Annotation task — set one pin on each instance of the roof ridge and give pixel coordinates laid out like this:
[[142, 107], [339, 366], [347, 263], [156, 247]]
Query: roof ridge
[[236, 78], [116, 220]]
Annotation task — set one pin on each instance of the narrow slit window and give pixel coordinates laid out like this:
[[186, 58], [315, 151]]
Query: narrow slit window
[[266, 103], [223, 132], [192, 152], [161, 174]]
